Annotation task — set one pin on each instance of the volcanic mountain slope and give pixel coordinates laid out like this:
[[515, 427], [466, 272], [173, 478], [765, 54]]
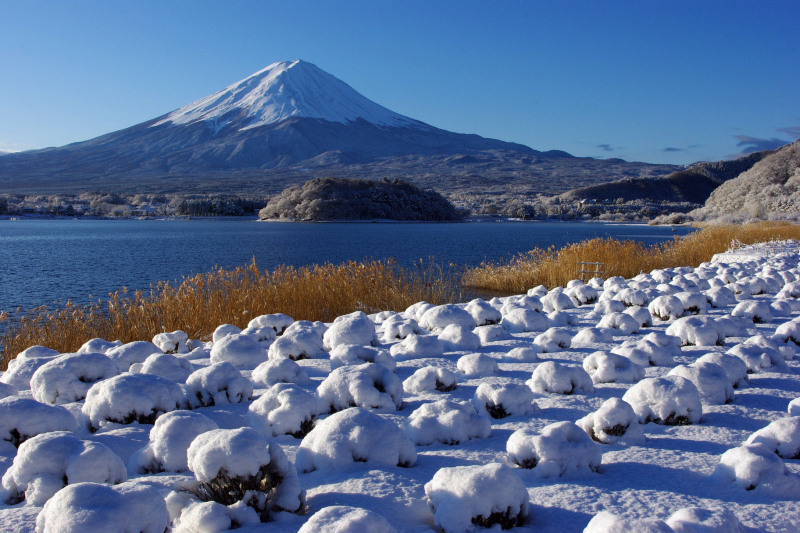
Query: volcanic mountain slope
[[285, 124]]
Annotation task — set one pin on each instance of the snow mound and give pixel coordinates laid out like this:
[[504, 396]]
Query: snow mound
[[477, 365], [369, 386], [613, 422], [133, 352], [398, 327], [632, 297], [562, 449], [223, 331], [48, 462], [172, 342], [582, 294], [789, 332], [430, 378], [641, 315], [354, 436], [415, 311], [735, 368], [23, 418], [754, 466], [277, 321], [488, 334], [669, 400], [67, 378], [524, 354], [165, 365], [589, 336], [606, 522], [350, 354], [242, 351], [500, 401], [720, 297], [483, 313], [417, 346], [131, 398], [301, 340], [447, 422], [781, 436], [170, 437], [21, 369], [344, 519], [456, 337], [556, 300], [441, 316], [355, 328], [697, 520], [285, 409], [275, 371], [464, 497], [758, 311], [98, 345], [711, 380], [520, 320], [620, 323], [698, 331], [606, 367], [666, 307], [218, 384], [556, 378], [554, 340]]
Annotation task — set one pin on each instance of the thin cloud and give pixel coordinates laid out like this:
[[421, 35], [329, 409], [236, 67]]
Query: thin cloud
[[673, 149], [606, 147], [794, 131], [749, 144]]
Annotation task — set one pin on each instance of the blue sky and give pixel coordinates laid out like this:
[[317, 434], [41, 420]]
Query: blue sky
[[655, 81]]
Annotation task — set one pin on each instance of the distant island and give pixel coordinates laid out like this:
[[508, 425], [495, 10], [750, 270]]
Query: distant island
[[327, 199]]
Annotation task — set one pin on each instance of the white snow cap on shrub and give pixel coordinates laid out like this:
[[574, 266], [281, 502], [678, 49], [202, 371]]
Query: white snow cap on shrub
[[277, 321], [437, 318], [68, 377], [758, 311], [21, 369], [242, 351], [488, 334], [355, 328], [563, 319], [48, 462], [275, 371], [529, 301], [285, 409], [781, 435], [621, 323], [170, 437], [524, 354], [130, 506], [755, 466], [502, 400], [463, 497], [369, 386], [613, 422], [351, 436], [477, 365], [344, 519], [430, 378], [554, 340], [760, 353], [557, 378], [582, 294], [131, 398], [133, 352], [447, 422], [520, 320], [98, 345], [632, 297], [416, 310], [23, 418], [606, 307], [587, 336], [666, 307], [719, 297], [301, 340], [698, 331], [641, 315], [789, 332], [398, 327], [417, 346], [264, 336], [669, 400], [350, 354], [456, 337], [218, 384], [483, 312], [165, 365], [173, 342], [606, 522], [794, 407], [224, 330], [697, 520], [606, 367], [556, 300], [711, 380], [560, 449], [735, 368], [694, 303]]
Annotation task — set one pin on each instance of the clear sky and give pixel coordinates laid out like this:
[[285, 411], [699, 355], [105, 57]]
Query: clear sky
[[646, 80]]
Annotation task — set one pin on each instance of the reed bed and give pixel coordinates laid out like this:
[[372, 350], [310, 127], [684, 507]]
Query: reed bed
[[556, 266], [200, 303]]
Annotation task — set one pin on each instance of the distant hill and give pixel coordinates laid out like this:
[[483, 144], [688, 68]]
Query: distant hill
[[770, 189], [324, 199]]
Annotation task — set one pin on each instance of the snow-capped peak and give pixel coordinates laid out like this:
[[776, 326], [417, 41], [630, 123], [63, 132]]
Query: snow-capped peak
[[284, 90]]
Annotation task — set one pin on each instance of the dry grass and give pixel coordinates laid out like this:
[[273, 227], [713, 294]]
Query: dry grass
[[201, 303], [555, 267]]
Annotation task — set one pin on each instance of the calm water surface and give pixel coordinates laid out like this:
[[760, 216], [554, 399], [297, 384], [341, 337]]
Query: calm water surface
[[52, 261]]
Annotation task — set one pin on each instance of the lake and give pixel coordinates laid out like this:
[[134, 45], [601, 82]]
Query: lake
[[52, 261]]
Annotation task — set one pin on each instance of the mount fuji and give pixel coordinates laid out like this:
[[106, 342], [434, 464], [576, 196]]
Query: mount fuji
[[284, 124]]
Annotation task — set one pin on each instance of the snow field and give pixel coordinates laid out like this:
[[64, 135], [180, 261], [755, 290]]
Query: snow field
[[548, 423]]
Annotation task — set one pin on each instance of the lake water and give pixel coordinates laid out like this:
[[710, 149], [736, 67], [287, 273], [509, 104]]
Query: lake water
[[52, 261]]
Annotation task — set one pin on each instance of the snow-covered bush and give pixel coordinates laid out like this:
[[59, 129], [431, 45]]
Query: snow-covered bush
[[606, 522], [398, 327], [275, 371], [560, 449], [669, 400], [98, 345], [582, 294], [23, 418], [606, 307], [456, 337], [760, 353], [170, 437], [242, 351], [563, 319], [48, 462], [172, 342], [483, 313], [355, 328], [758, 311], [354, 436], [557, 378], [437, 318], [719, 297], [614, 421], [502, 400], [463, 497], [218, 384], [477, 365], [621, 323], [694, 303], [755, 466], [133, 352], [641, 315], [529, 301], [588, 336], [554, 340], [67, 378], [131, 398], [430, 378], [644, 352], [734, 367], [301, 340], [285, 409], [123, 508], [223, 331], [711, 380], [264, 336], [344, 519], [556, 300], [697, 520], [447, 422], [368, 385], [520, 320], [781, 435], [350, 354], [417, 346], [632, 297], [277, 321], [488, 334], [698, 331], [789, 332], [524, 354], [605, 367], [165, 365], [21, 369], [240, 465], [666, 307]]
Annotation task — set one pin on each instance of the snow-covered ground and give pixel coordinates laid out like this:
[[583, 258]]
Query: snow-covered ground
[[667, 402]]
